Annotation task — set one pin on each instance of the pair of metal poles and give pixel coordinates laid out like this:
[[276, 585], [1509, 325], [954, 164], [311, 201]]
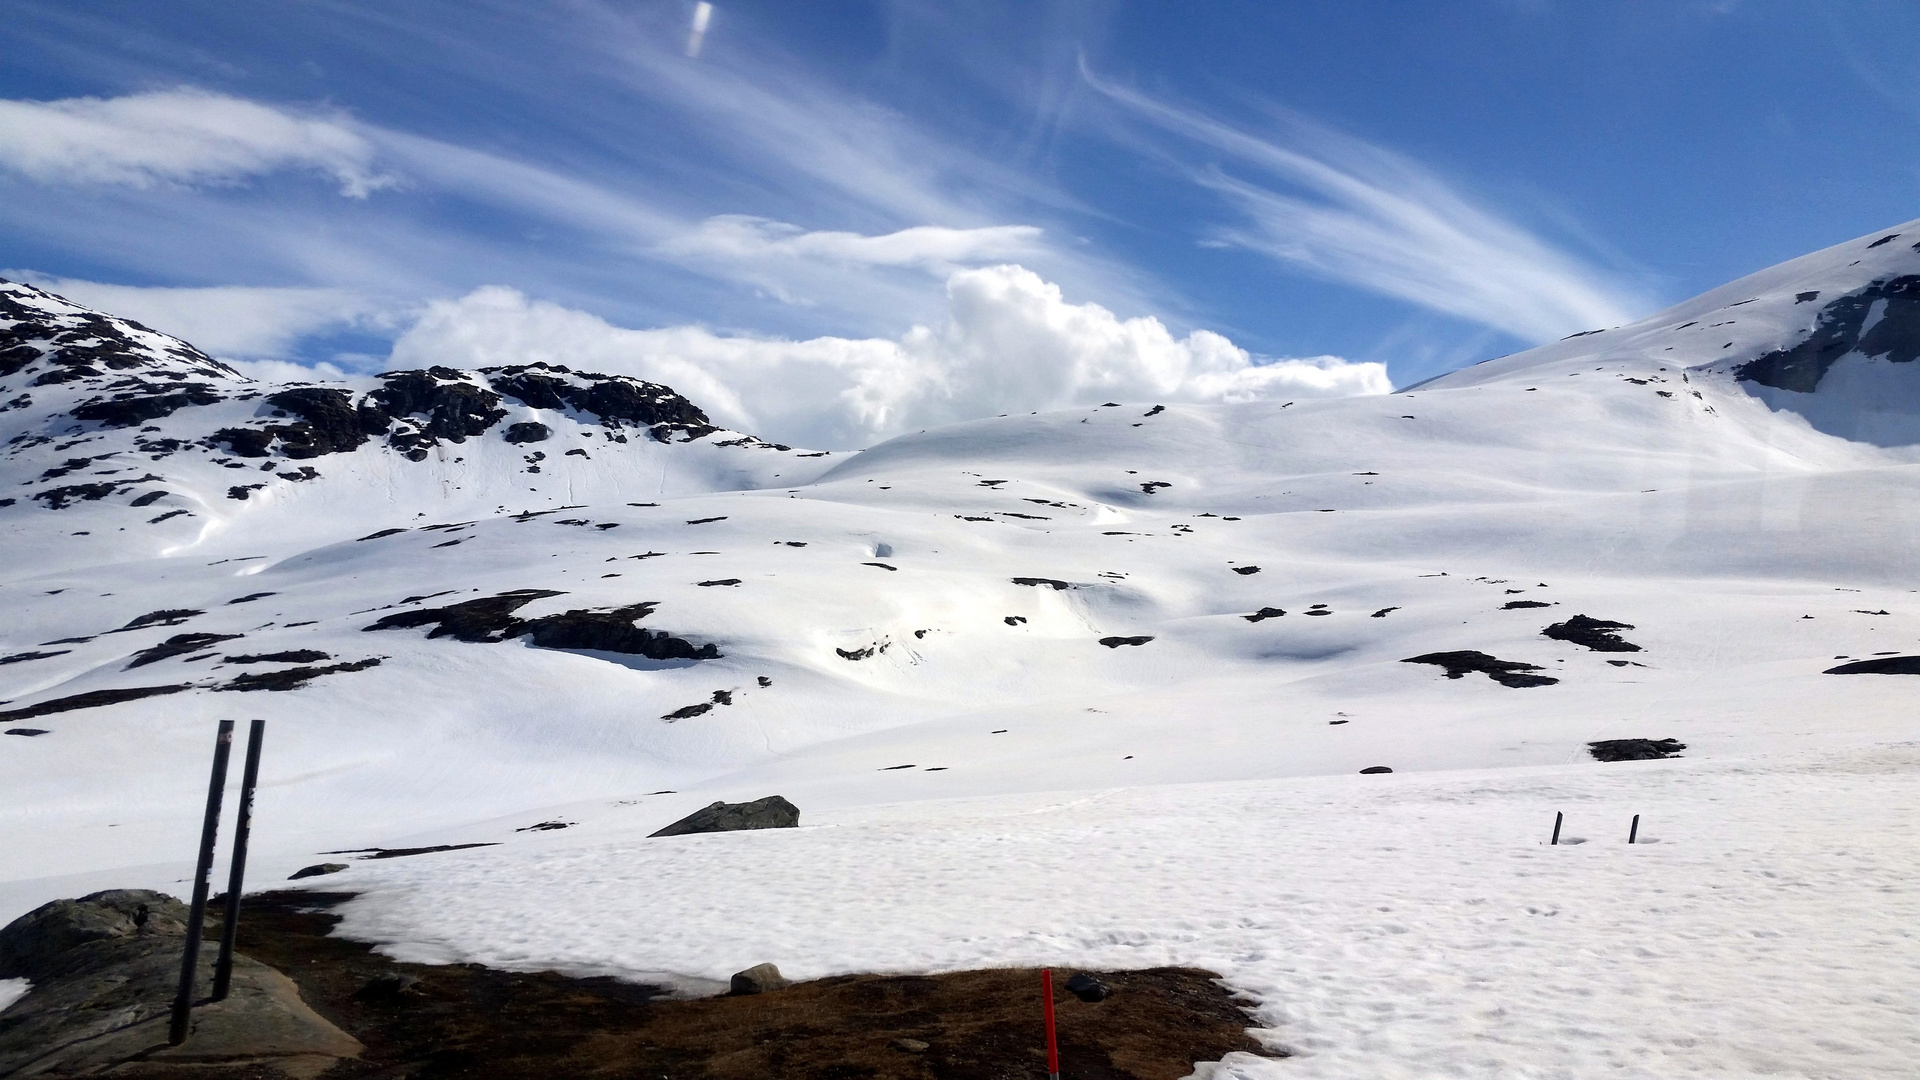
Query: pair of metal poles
[[209, 829], [1633, 833]]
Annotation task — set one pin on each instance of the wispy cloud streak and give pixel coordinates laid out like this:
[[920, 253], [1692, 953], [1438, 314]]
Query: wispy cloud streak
[[1350, 211], [186, 137]]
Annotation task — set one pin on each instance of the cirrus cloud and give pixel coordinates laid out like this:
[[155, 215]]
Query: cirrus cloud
[[181, 137]]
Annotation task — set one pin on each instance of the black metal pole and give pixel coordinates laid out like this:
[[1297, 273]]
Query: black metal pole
[[1634, 833], [1557, 816], [237, 872], [190, 962]]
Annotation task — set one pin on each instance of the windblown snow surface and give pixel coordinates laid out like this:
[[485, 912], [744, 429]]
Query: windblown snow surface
[[1091, 688]]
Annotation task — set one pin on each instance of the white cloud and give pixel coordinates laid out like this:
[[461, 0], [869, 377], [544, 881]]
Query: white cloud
[[185, 137], [742, 238], [224, 321], [1353, 212], [1010, 343]]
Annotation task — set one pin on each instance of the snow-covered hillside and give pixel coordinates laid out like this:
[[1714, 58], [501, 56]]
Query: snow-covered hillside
[[470, 602]]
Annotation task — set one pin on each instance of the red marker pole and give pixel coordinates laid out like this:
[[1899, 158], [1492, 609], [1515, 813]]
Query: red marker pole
[[1053, 1046]]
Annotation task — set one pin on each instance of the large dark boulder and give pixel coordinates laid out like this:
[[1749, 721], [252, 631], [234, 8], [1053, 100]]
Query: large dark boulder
[[772, 812], [63, 935], [104, 969]]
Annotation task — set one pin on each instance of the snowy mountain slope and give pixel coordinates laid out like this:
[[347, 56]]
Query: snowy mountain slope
[[925, 590], [1647, 532]]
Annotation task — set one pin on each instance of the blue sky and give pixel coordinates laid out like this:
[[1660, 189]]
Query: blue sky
[[1418, 186]]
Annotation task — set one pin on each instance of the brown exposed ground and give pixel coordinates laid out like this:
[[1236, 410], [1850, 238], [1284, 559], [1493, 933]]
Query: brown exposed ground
[[472, 1021]]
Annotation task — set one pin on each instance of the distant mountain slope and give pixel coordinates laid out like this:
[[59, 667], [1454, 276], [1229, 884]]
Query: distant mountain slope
[[1831, 337], [1626, 535]]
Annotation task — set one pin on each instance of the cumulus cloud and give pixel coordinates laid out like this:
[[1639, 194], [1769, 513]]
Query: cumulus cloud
[[1010, 343], [1350, 211], [229, 321], [184, 137]]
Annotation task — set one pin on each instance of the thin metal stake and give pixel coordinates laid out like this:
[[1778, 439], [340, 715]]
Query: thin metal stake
[[190, 962], [1557, 818], [1634, 832], [237, 872]]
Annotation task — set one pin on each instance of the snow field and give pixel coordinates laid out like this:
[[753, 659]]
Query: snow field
[[1384, 926]]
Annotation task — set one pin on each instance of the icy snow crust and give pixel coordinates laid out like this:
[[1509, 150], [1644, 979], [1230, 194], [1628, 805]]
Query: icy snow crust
[[981, 779]]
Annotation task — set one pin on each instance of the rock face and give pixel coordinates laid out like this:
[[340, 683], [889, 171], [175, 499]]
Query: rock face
[[758, 979], [104, 968], [1846, 325], [772, 812]]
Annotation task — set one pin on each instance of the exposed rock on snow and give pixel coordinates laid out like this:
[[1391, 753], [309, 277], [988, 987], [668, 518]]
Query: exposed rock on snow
[[1635, 749], [317, 870], [294, 678], [1600, 635], [1879, 665], [90, 700], [177, 645], [1505, 672], [772, 812], [491, 619], [1846, 324]]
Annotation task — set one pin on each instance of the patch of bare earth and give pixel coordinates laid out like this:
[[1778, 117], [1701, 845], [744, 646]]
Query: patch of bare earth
[[465, 1020]]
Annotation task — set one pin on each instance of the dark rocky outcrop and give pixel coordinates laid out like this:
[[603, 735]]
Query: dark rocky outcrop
[[327, 422], [772, 812], [17, 658], [129, 408], [1515, 605], [1634, 749], [1375, 770], [1505, 672], [294, 678], [615, 399], [1116, 642], [486, 619], [163, 617], [1597, 634], [177, 645], [291, 656], [446, 405], [1837, 332], [1264, 614], [1879, 665], [92, 699], [1039, 582], [317, 870], [103, 969], [492, 619], [528, 431]]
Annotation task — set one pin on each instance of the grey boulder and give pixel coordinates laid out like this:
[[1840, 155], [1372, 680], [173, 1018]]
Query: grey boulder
[[104, 969], [772, 812], [757, 979]]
